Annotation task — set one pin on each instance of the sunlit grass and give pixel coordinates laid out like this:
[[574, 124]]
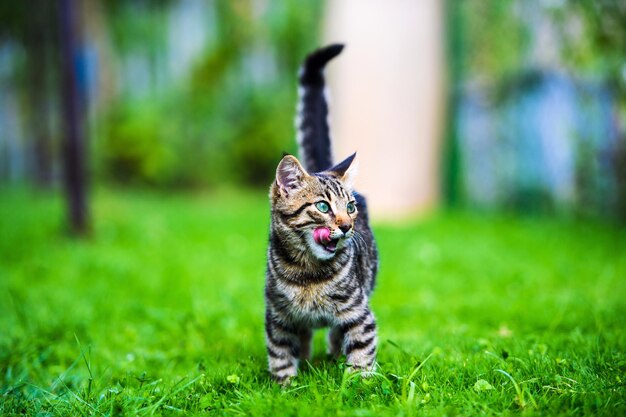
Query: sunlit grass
[[160, 311]]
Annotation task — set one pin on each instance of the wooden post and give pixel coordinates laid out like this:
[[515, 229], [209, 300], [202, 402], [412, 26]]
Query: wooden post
[[74, 143]]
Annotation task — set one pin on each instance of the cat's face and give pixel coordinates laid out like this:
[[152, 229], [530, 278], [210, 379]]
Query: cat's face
[[316, 211]]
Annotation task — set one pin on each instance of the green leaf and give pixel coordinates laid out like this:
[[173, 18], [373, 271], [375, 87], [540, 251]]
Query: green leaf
[[482, 385]]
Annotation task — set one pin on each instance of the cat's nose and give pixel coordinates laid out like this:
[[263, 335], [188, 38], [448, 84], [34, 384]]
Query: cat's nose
[[345, 228]]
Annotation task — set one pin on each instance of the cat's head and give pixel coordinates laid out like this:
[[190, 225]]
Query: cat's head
[[316, 211]]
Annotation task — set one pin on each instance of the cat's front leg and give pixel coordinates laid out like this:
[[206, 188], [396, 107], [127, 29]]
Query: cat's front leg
[[359, 339], [283, 349], [335, 342]]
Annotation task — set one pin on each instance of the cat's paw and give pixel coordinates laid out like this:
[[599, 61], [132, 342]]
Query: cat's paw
[[284, 381], [364, 371], [285, 376]]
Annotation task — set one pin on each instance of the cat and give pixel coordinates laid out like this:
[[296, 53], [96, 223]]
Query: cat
[[322, 259]]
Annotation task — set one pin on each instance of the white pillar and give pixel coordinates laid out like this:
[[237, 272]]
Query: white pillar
[[387, 99]]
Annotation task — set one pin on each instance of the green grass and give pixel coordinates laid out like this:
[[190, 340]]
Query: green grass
[[160, 312]]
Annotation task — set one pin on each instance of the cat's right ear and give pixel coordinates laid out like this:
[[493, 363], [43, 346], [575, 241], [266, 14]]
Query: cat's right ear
[[290, 175], [345, 170]]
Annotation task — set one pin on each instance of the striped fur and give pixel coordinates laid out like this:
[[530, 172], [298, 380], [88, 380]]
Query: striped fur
[[313, 133], [311, 284]]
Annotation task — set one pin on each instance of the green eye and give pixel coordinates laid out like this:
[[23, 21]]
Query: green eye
[[351, 208], [322, 206]]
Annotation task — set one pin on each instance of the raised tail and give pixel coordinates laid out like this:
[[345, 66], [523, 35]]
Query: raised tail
[[312, 113]]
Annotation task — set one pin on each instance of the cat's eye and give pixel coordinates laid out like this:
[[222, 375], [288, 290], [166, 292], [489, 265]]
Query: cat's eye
[[351, 208], [322, 206]]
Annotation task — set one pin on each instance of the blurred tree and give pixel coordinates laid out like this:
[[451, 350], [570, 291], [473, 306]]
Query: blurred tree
[[33, 26], [48, 33]]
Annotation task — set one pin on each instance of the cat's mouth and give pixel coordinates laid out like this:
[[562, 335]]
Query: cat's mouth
[[321, 235], [331, 246]]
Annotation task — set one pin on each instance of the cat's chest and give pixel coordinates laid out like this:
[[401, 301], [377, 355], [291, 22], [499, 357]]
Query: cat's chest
[[312, 297], [312, 303]]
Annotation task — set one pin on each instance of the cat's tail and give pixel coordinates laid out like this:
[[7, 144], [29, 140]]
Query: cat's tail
[[312, 112]]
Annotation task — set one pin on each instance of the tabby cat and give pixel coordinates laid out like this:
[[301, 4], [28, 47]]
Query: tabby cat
[[322, 258]]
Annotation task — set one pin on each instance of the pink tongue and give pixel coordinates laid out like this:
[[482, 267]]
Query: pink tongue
[[321, 235]]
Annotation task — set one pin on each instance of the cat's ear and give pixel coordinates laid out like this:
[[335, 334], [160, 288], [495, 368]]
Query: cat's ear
[[290, 175], [346, 170]]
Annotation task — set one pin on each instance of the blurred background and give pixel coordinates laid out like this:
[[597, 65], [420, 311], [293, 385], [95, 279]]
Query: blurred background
[[492, 105]]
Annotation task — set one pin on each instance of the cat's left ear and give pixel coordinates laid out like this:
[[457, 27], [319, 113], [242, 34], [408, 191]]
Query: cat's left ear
[[290, 175], [346, 170]]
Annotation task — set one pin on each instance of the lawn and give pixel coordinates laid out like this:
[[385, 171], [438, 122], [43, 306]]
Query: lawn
[[160, 312]]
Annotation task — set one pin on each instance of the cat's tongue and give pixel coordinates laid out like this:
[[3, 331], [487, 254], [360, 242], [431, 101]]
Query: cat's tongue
[[322, 235]]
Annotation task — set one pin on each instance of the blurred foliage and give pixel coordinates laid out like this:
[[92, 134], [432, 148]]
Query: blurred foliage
[[232, 118], [500, 50], [137, 25], [595, 36], [492, 39], [227, 117], [29, 43], [497, 36], [498, 33]]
